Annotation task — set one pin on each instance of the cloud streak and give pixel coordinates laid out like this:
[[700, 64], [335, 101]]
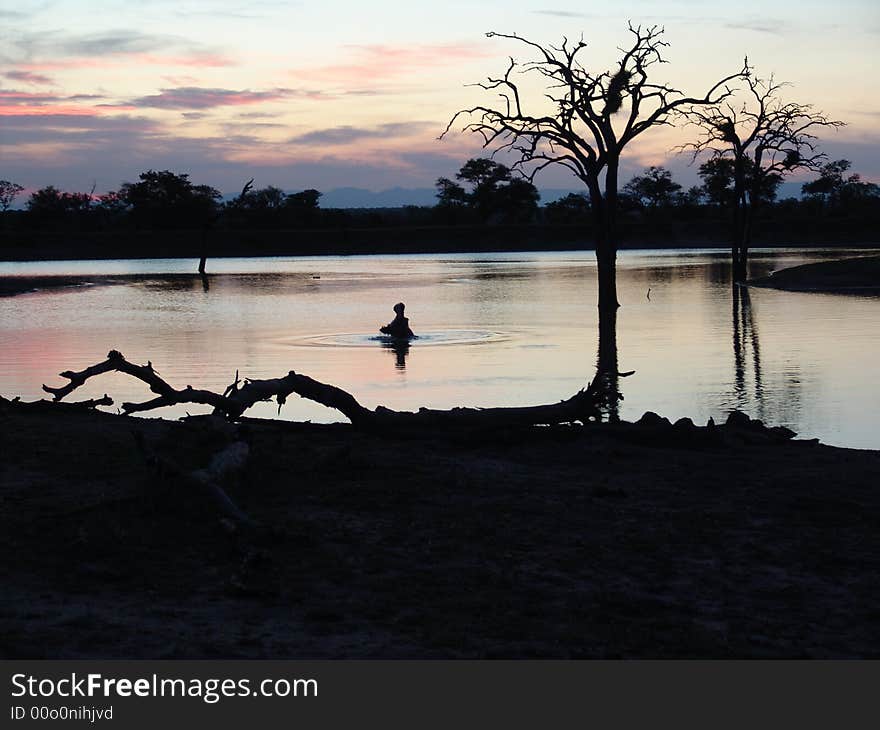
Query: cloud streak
[[28, 77], [56, 51], [563, 13], [344, 135], [197, 97], [191, 60], [774, 27], [15, 103]]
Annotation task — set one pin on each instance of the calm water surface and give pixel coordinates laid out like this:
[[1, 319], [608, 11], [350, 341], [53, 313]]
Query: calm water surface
[[496, 329]]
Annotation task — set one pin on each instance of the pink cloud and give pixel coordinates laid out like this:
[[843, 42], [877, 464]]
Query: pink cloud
[[379, 62], [24, 103], [21, 110], [27, 77]]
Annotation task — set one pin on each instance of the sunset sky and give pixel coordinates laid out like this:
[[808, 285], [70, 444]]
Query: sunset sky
[[344, 93]]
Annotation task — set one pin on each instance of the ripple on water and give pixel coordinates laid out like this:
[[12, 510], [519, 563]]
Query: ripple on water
[[425, 339]]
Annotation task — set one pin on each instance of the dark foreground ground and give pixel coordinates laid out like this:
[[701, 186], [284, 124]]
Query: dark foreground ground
[[566, 542]]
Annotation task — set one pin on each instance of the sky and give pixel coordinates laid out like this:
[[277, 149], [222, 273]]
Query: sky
[[348, 93]]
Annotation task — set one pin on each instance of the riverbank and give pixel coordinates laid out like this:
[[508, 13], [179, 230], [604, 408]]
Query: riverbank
[[26, 245], [576, 542], [847, 276], [11, 286]]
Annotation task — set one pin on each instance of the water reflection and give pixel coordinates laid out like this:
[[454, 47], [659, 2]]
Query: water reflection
[[607, 372], [399, 348], [746, 346], [506, 330]]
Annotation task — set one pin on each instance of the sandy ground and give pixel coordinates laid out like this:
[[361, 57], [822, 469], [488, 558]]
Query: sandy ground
[[565, 542]]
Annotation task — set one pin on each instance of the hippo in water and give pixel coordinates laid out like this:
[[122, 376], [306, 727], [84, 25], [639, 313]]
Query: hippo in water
[[399, 326]]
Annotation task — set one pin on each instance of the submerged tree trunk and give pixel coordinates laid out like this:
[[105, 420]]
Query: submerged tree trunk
[[204, 258], [606, 244], [748, 225], [607, 372], [606, 264], [740, 213]]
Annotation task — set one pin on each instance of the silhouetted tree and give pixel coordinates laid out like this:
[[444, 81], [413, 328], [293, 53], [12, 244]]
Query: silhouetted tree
[[450, 194], [653, 189], [113, 202], [8, 192], [169, 200], [719, 182], [717, 176], [307, 199], [494, 192], [573, 208], [835, 190], [517, 201], [261, 208], [48, 207], [268, 198], [583, 121], [303, 207], [766, 138], [690, 198]]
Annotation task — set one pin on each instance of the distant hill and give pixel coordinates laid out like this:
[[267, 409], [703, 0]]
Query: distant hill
[[391, 198]]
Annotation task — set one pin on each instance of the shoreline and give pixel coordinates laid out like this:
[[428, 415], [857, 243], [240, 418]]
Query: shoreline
[[12, 286], [16, 285], [651, 541], [75, 245], [855, 276]]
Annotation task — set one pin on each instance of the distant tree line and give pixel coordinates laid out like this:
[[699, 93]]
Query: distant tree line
[[483, 192]]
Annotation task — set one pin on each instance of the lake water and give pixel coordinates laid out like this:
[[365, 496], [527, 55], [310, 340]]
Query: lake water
[[495, 330]]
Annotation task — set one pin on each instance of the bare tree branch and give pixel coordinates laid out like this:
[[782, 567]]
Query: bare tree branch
[[582, 120], [765, 136]]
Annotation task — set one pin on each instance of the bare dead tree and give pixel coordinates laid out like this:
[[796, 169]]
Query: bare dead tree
[[767, 138], [202, 261], [583, 123]]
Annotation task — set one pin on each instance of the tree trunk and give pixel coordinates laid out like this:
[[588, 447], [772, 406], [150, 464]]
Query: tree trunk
[[606, 242], [606, 365], [738, 263], [606, 260], [203, 260], [748, 223]]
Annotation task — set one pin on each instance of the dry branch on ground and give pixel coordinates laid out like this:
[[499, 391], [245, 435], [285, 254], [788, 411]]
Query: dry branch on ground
[[583, 406]]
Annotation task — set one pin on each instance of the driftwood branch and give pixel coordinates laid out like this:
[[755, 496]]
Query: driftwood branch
[[105, 400], [583, 406]]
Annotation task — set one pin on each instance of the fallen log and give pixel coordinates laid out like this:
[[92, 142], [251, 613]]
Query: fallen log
[[92, 403], [583, 406]]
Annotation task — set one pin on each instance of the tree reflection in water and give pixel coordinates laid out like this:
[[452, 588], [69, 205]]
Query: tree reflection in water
[[606, 367], [746, 346]]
